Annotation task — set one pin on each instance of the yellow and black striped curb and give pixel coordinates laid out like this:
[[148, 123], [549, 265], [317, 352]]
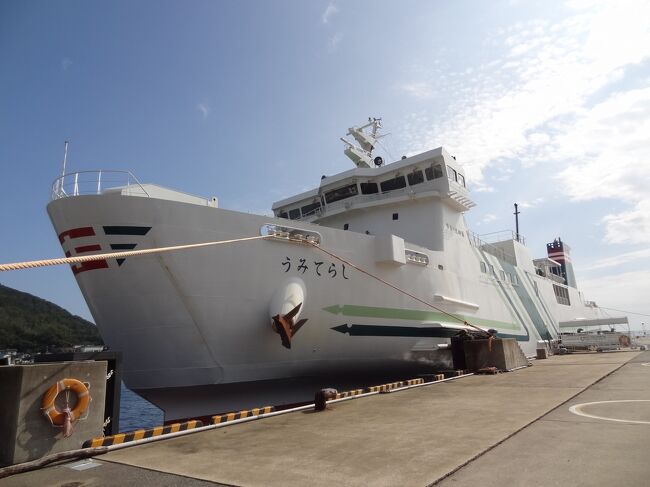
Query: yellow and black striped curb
[[395, 385], [382, 387], [142, 434], [355, 392], [386, 387], [224, 418]]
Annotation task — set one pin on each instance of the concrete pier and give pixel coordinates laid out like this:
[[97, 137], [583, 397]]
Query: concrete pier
[[25, 433], [514, 428]]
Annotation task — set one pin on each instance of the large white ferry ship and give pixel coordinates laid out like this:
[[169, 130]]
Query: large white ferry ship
[[372, 270]]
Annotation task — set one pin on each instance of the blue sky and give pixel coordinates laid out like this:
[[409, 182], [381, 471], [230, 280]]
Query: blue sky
[[546, 103]]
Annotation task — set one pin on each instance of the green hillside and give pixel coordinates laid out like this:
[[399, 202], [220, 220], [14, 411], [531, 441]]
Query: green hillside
[[31, 324]]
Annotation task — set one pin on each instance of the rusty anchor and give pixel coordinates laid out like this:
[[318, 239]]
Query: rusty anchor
[[284, 325]]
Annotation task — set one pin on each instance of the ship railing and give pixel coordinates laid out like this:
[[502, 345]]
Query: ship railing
[[501, 236], [314, 212], [476, 241], [96, 182], [550, 275]]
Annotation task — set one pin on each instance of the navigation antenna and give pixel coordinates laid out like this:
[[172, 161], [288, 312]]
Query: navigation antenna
[[362, 156]]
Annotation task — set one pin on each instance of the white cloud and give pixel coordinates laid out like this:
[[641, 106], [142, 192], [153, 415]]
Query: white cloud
[[333, 42], [538, 138], [418, 89], [625, 291], [549, 99], [204, 109], [620, 259], [481, 187], [489, 217], [500, 108], [330, 11], [532, 203], [632, 226], [611, 146]]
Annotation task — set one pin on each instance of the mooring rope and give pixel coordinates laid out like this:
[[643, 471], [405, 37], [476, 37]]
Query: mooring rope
[[117, 255], [133, 253], [396, 288]]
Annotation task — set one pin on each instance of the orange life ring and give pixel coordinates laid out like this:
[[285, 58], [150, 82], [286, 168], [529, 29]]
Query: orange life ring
[[55, 415]]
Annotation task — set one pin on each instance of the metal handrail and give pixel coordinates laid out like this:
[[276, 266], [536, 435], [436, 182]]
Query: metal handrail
[[502, 235], [77, 184], [475, 240]]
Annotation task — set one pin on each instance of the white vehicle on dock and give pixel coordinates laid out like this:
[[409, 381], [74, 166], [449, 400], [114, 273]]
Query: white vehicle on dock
[[598, 341], [371, 270]]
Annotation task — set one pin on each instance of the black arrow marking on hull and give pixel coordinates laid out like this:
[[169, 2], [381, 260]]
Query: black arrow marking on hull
[[408, 331], [396, 331]]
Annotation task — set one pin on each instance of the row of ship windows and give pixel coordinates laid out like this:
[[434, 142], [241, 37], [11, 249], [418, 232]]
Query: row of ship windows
[[504, 276], [561, 295], [398, 182]]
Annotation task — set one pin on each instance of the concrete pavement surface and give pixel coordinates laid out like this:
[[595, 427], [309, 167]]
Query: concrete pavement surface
[[100, 474], [567, 449], [415, 437]]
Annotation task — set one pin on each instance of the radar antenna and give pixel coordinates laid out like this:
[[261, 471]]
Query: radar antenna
[[362, 156]]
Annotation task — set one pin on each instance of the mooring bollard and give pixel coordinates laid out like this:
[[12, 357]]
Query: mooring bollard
[[321, 398]]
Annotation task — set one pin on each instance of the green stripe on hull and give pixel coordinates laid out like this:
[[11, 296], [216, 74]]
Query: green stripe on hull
[[413, 315]]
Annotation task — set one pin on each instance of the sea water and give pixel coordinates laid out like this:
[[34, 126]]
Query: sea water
[[136, 412]]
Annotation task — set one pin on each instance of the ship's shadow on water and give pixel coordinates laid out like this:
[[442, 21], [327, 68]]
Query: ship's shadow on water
[[136, 412]]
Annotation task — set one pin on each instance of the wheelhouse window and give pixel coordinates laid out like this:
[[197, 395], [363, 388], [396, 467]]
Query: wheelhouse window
[[398, 182], [433, 172], [283, 214], [452, 174], [294, 214], [461, 179], [341, 193], [483, 267], [369, 188], [416, 177], [310, 209]]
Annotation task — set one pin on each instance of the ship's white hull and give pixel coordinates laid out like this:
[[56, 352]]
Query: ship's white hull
[[194, 322]]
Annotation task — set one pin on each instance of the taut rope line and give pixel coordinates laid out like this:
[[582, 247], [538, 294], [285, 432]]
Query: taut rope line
[[133, 253], [117, 255], [345, 261]]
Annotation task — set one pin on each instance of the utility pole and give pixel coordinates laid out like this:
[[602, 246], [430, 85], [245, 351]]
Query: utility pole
[[516, 213]]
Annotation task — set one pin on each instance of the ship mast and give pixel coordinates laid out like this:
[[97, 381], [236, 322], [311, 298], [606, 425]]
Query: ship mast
[[516, 213], [362, 155]]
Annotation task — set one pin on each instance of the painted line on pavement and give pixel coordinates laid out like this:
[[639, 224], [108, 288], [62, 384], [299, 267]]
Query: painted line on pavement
[[577, 409]]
